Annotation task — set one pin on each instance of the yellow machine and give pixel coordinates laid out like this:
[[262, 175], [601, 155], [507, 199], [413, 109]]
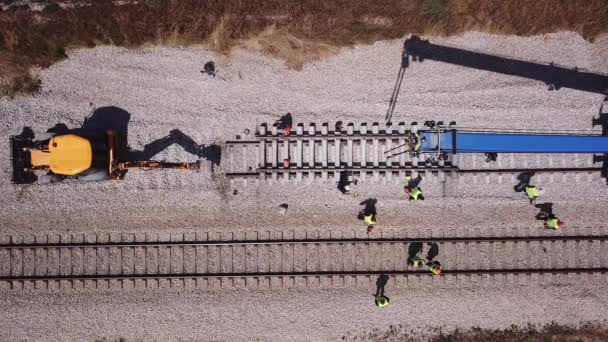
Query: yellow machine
[[51, 159], [66, 155]]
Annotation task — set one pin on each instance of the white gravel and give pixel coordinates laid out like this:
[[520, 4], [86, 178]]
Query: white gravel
[[163, 89], [291, 315]]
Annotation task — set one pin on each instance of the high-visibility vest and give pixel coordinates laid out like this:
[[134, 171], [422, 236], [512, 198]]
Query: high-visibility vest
[[418, 261], [415, 193], [369, 219], [531, 191], [382, 301], [552, 223], [435, 269]]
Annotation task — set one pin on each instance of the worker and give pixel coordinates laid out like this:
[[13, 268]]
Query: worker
[[546, 214], [417, 261], [412, 189], [552, 222], [370, 220], [435, 267], [284, 124], [368, 214], [532, 191], [382, 301], [339, 126], [415, 193]]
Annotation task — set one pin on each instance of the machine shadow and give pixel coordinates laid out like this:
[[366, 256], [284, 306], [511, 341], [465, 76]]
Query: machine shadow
[[555, 76], [105, 118]]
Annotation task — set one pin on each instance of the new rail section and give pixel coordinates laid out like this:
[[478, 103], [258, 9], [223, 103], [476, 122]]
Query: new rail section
[[374, 150]]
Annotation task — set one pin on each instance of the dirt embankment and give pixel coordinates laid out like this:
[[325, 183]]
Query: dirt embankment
[[294, 30]]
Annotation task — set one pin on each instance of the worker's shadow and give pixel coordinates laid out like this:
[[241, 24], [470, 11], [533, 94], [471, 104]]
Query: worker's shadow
[[413, 249], [105, 118], [524, 179], [433, 251], [381, 284], [545, 210], [414, 182], [369, 207]]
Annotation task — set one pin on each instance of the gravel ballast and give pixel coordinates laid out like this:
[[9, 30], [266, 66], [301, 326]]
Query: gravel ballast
[[295, 314]]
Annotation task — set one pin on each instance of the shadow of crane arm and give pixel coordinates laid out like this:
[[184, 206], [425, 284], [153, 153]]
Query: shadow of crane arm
[[556, 76]]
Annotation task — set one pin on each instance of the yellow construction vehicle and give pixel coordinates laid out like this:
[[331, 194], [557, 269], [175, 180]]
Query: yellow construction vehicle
[[50, 158]]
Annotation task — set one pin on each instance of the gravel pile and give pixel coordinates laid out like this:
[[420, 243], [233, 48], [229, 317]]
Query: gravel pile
[[163, 89]]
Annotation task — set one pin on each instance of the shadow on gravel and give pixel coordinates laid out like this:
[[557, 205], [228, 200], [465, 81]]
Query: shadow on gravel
[[413, 249], [381, 284], [524, 179], [545, 210], [433, 251], [105, 118], [369, 206], [555, 76]]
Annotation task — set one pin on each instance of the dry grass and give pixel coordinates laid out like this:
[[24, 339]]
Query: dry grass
[[588, 332], [294, 30]]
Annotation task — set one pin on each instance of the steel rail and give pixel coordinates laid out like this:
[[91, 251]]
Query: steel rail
[[305, 241], [241, 142], [434, 168], [536, 170], [329, 135], [447, 169], [575, 270]]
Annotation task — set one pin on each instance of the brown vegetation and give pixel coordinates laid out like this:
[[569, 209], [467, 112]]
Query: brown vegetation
[[295, 30], [588, 332]]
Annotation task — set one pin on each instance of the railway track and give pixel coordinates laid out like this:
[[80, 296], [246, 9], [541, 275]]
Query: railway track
[[331, 259], [318, 152]]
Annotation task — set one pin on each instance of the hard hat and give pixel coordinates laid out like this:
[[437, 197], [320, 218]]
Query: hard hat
[[347, 188], [370, 228], [561, 225], [438, 270], [406, 189]]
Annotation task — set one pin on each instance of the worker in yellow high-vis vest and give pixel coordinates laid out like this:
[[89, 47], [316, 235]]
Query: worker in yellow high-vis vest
[[382, 301], [412, 189], [532, 192], [552, 222]]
